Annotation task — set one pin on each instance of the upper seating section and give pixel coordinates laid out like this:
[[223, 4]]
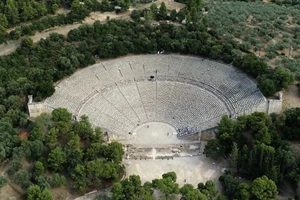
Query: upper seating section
[[179, 90]]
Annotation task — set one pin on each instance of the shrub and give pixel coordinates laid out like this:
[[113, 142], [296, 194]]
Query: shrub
[[58, 180], [3, 181]]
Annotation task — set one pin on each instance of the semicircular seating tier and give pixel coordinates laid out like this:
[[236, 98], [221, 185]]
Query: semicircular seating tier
[[121, 94]]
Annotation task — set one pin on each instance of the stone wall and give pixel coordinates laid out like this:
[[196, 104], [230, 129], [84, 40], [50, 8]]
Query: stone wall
[[35, 109], [270, 106], [275, 105]]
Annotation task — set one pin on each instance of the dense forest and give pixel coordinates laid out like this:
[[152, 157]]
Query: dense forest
[[28, 17], [60, 150], [255, 146]]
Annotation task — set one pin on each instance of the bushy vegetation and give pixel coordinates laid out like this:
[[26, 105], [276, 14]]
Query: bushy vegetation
[[291, 64], [58, 150], [38, 12], [132, 188], [257, 26], [3, 181], [261, 188], [288, 124], [253, 147]]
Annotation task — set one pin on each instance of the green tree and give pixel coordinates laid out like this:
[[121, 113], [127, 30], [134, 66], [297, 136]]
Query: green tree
[[8, 138], [189, 193], [173, 15], [221, 197], [209, 189], [3, 35], [84, 128], [63, 127], [135, 15], [51, 137], [229, 185], [43, 182], [54, 8], [114, 152], [162, 12], [243, 191], [282, 78], [263, 188], [3, 181], [226, 135], [74, 154], [263, 135], [79, 174], [61, 114], [195, 15], [34, 192], [266, 86], [110, 171], [181, 15], [3, 21], [93, 151], [97, 136], [38, 168], [14, 166], [45, 89], [233, 157], [94, 171], [28, 13], [131, 187], [37, 149], [79, 9], [2, 152], [148, 16], [22, 178], [186, 188], [27, 45], [172, 175], [105, 5], [166, 186], [154, 10], [45, 195], [58, 180], [56, 159], [11, 12], [198, 4], [291, 127], [213, 149], [117, 191]]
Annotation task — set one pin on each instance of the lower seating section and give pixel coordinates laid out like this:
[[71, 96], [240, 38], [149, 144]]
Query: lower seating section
[[182, 91]]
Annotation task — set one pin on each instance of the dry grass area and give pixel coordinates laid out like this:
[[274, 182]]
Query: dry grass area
[[291, 97], [10, 193], [62, 193]]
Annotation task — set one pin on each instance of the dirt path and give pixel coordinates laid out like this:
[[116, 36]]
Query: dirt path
[[12, 45], [291, 97]]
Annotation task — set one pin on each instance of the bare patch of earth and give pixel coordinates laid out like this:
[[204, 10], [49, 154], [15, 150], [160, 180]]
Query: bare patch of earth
[[291, 97]]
